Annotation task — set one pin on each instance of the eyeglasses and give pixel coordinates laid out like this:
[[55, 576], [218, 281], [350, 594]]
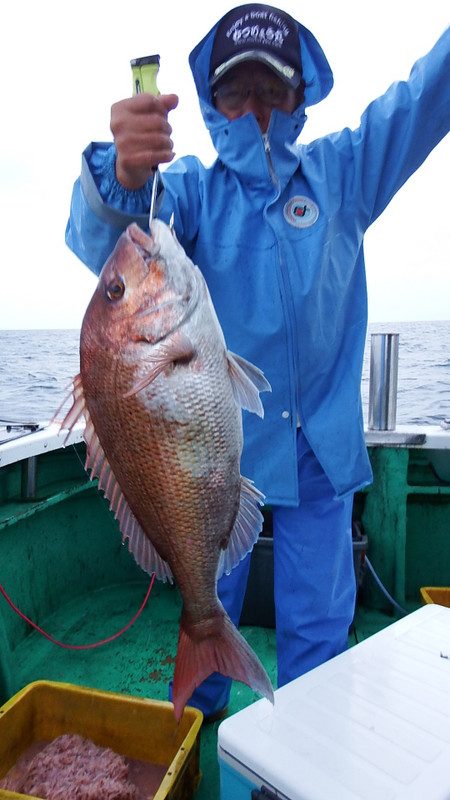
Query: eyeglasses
[[232, 95]]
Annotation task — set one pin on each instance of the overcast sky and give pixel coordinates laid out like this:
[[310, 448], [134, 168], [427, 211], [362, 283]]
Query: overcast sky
[[61, 68]]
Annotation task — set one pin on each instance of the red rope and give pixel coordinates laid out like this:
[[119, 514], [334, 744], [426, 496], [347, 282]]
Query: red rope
[[79, 646]]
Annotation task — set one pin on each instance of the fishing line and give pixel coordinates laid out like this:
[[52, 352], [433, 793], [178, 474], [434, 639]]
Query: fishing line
[[79, 646], [381, 586]]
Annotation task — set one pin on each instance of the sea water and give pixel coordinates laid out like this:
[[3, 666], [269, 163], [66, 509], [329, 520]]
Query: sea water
[[36, 367]]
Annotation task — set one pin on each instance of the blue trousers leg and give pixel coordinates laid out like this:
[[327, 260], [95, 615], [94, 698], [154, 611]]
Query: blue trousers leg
[[214, 693], [314, 581]]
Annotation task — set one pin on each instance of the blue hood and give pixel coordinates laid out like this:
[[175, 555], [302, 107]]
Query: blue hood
[[233, 150]]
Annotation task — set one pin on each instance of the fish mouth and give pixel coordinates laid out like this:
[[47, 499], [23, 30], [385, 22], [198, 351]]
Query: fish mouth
[[149, 250], [144, 244]]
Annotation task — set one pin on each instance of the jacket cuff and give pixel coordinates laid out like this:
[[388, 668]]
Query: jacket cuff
[[107, 198]]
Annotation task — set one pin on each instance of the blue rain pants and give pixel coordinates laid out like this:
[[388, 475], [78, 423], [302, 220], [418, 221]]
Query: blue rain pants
[[314, 581]]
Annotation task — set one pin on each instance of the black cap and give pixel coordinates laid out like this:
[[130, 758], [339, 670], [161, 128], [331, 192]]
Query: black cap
[[257, 32]]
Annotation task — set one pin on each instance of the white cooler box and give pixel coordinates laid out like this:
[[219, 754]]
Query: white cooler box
[[372, 723]]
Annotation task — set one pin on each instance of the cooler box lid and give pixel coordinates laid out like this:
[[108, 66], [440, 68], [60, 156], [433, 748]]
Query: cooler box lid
[[371, 723]]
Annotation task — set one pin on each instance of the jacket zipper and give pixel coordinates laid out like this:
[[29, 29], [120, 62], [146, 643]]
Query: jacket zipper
[[286, 286], [272, 172]]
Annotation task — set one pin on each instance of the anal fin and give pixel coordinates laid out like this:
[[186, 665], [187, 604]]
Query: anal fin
[[246, 529]]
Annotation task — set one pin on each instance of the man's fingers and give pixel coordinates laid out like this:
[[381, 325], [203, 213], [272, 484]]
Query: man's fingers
[[170, 101], [146, 103], [142, 136]]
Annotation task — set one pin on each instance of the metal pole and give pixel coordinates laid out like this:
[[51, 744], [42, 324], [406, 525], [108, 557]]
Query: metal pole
[[383, 381], [29, 475]]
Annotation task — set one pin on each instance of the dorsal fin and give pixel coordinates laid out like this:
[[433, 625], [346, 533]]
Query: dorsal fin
[[246, 529], [98, 465]]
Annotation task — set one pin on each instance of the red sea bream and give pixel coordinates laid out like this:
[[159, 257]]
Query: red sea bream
[[162, 400]]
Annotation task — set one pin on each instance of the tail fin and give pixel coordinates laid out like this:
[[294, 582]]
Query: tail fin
[[215, 646]]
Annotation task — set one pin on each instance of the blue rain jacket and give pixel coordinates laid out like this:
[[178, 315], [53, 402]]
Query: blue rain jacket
[[277, 229]]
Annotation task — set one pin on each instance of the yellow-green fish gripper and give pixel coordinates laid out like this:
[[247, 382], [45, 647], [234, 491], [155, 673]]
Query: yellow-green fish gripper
[[145, 71]]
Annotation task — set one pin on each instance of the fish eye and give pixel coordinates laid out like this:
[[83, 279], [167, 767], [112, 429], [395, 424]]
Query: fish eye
[[116, 289]]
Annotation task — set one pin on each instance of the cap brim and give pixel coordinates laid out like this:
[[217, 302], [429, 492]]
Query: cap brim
[[284, 71]]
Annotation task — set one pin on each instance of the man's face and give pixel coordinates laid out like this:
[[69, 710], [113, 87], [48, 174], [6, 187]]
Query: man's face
[[254, 87]]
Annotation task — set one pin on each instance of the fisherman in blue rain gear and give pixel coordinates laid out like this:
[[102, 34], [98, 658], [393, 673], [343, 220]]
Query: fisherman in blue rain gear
[[277, 229]]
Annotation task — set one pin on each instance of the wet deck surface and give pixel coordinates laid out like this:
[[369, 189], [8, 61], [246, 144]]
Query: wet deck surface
[[141, 662]]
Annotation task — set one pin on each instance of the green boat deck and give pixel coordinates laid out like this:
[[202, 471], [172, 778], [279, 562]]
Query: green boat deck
[[141, 661], [63, 564]]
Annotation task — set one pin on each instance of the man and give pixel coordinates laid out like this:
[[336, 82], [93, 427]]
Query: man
[[277, 229]]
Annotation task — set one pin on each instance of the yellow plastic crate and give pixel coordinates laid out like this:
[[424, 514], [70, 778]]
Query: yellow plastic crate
[[141, 729], [436, 594]]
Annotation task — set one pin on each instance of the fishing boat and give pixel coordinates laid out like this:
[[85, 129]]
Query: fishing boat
[[63, 567]]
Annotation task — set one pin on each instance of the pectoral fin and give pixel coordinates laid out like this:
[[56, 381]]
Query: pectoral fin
[[176, 350]]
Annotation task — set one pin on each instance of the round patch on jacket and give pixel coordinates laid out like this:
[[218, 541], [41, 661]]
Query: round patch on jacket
[[301, 211]]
